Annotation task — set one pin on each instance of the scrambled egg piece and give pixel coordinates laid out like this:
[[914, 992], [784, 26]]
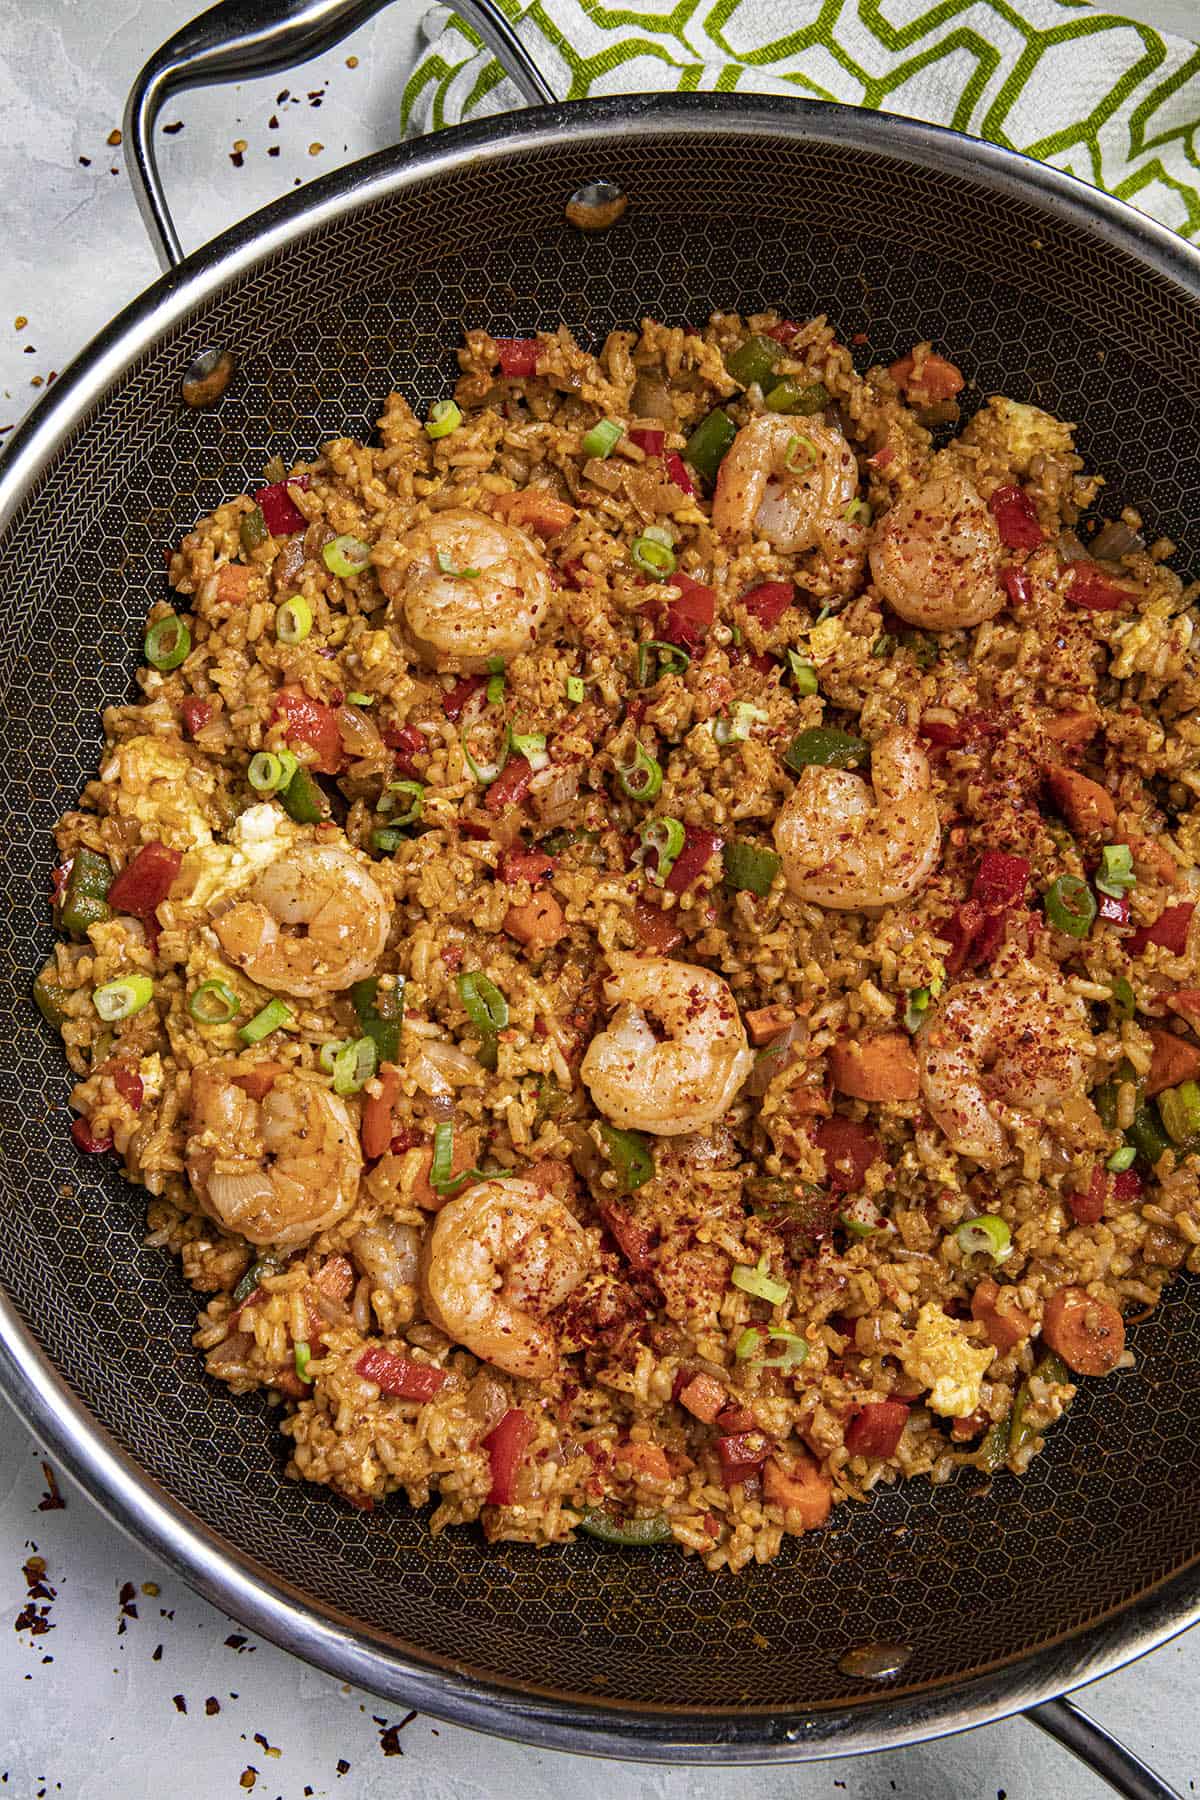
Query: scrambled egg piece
[[154, 781], [1018, 432], [823, 639], [213, 872], [942, 1358]]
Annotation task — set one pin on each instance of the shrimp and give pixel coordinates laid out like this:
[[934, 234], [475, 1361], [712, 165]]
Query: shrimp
[[464, 589], [1004, 1052], [844, 850], [677, 1080], [789, 480], [321, 887], [275, 1169], [500, 1257], [936, 554]]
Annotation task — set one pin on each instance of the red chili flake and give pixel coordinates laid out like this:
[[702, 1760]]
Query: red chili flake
[[212, 1706], [180, 1703], [173, 127]]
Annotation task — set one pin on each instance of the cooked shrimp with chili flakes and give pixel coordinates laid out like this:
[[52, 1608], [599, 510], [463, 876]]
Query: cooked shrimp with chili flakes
[[640, 935]]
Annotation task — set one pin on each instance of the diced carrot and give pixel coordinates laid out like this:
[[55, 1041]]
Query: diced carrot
[[936, 379], [335, 1277], [646, 1459], [258, 1081], [1084, 804], [1005, 1326], [1174, 1060], [766, 1022], [233, 583], [1071, 727], [798, 1486], [539, 924], [1088, 1334], [534, 507], [876, 1068], [704, 1397], [376, 1127]]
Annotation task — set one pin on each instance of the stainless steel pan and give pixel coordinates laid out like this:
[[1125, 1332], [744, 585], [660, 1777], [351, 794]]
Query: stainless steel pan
[[1002, 1596]]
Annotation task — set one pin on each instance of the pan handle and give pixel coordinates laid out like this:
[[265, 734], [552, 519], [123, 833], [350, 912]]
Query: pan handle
[[1124, 1772], [239, 39]]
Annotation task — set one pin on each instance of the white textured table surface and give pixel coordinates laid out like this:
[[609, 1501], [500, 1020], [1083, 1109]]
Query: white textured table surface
[[116, 1680]]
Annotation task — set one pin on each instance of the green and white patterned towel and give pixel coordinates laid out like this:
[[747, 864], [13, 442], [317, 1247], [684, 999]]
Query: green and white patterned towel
[[1108, 99]]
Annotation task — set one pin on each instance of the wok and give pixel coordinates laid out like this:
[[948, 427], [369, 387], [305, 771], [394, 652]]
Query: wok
[[1001, 1596]]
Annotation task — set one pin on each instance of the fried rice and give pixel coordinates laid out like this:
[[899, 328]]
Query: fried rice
[[851, 1188]]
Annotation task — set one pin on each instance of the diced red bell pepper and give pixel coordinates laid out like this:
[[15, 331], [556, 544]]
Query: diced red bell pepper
[[689, 617], [130, 1087], [1091, 588], [1087, 1209], [849, 1149], [144, 883], [455, 703], [1016, 584], [506, 1444], [677, 471], [399, 1375], [510, 786], [876, 1429], [634, 1241], [1127, 1185], [1016, 519], [699, 847], [525, 865], [784, 332], [518, 356], [280, 513], [407, 742], [313, 723], [1169, 930], [742, 1455], [657, 930], [648, 439], [197, 713], [769, 601], [375, 1129], [1113, 908], [1001, 879], [81, 1132]]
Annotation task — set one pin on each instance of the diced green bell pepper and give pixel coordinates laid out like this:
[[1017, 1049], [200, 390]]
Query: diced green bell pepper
[[83, 900]]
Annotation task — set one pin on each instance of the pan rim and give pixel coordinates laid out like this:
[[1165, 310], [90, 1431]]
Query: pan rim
[[238, 1584]]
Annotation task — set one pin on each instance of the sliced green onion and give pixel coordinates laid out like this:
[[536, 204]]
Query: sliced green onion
[[444, 417], [753, 360], [293, 620], [737, 729], [671, 660], [661, 838], [495, 665], [824, 746], [651, 557], [749, 1342], [800, 454], [574, 686], [121, 999], [487, 1010], [985, 1236], [356, 697], [266, 1265], [328, 1054], [346, 555], [1115, 873], [791, 396], [303, 1358], [1071, 905], [446, 567], [756, 1281], [214, 1003], [858, 512], [495, 690], [862, 1217], [915, 1008], [354, 1065], [641, 779], [275, 1016], [386, 839], [631, 1156], [884, 644], [266, 773], [413, 791], [802, 673], [1121, 1159], [167, 643], [603, 438], [795, 1349], [735, 636], [532, 746], [749, 869], [1179, 1110], [708, 443], [1122, 998], [484, 773]]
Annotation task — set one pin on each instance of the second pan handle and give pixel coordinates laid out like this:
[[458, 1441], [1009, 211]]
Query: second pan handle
[[237, 40]]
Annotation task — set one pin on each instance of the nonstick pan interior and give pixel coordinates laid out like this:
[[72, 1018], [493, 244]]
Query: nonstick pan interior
[[969, 1576]]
